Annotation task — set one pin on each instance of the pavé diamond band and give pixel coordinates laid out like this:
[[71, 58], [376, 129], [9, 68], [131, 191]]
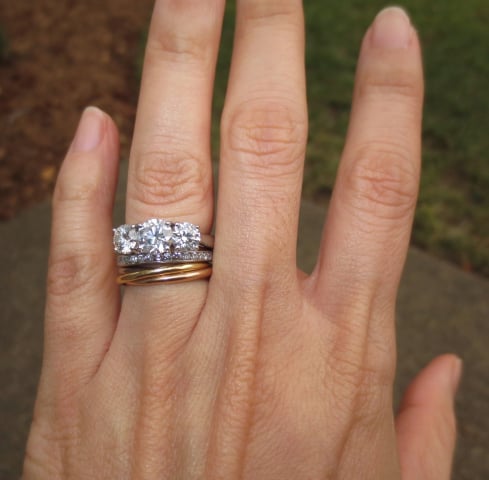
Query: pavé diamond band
[[164, 258], [159, 236]]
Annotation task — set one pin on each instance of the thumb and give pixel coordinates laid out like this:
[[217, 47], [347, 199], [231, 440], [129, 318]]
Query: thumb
[[426, 424]]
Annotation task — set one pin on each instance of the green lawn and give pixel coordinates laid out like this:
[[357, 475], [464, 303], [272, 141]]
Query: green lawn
[[452, 218]]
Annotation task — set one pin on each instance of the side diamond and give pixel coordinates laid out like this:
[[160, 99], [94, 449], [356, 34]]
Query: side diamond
[[186, 236], [125, 239]]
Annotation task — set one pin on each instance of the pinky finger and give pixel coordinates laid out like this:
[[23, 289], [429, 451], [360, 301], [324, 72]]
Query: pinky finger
[[83, 298], [426, 424]]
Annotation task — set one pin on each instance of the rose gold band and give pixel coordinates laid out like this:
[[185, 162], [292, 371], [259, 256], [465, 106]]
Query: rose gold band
[[180, 273]]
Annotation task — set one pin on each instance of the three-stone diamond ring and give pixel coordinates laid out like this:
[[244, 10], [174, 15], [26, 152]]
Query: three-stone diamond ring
[[157, 244], [159, 237]]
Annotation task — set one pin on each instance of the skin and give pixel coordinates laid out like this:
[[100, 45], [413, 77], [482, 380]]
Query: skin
[[262, 372]]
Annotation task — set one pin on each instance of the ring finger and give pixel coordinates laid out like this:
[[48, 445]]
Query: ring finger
[[170, 173], [169, 167], [170, 176]]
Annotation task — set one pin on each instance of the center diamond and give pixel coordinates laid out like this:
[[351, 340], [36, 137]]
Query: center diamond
[[156, 236]]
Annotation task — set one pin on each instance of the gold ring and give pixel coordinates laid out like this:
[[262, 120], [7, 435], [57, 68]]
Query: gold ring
[[177, 277], [169, 274]]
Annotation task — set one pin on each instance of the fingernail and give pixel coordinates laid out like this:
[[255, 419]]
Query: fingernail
[[392, 29], [90, 130], [456, 374]]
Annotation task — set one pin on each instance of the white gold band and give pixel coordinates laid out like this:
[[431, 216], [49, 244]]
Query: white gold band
[[164, 258]]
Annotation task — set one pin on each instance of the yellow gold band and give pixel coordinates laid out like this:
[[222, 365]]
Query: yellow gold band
[[179, 273]]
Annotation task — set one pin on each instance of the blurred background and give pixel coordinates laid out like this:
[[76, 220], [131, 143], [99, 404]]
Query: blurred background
[[57, 56]]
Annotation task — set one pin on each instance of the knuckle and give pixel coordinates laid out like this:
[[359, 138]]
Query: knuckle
[[372, 394], [157, 395], [267, 138], [400, 83], [359, 374], [446, 428], [81, 188], [70, 273], [169, 43], [384, 180], [170, 178], [45, 442], [345, 368], [174, 48], [269, 11], [365, 392]]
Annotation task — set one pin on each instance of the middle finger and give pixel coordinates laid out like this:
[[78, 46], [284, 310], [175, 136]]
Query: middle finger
[[263, 139]]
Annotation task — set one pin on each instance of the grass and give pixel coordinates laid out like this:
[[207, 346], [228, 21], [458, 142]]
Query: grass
[[452, 218]]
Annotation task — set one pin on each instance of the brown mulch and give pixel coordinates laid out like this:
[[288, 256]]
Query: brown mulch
[[62, 55]]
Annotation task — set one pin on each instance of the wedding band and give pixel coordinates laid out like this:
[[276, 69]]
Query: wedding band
[[159, 236], [177, 278], [164, 258], [134, 273], [172, 274]]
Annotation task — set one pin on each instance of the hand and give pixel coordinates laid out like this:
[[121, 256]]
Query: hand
[[263, 372]]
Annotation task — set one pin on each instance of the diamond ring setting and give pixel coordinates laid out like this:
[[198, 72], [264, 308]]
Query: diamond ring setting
[[158, 236]]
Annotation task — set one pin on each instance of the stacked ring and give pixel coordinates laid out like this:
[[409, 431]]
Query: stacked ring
[[173, 274], [161, 251]]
